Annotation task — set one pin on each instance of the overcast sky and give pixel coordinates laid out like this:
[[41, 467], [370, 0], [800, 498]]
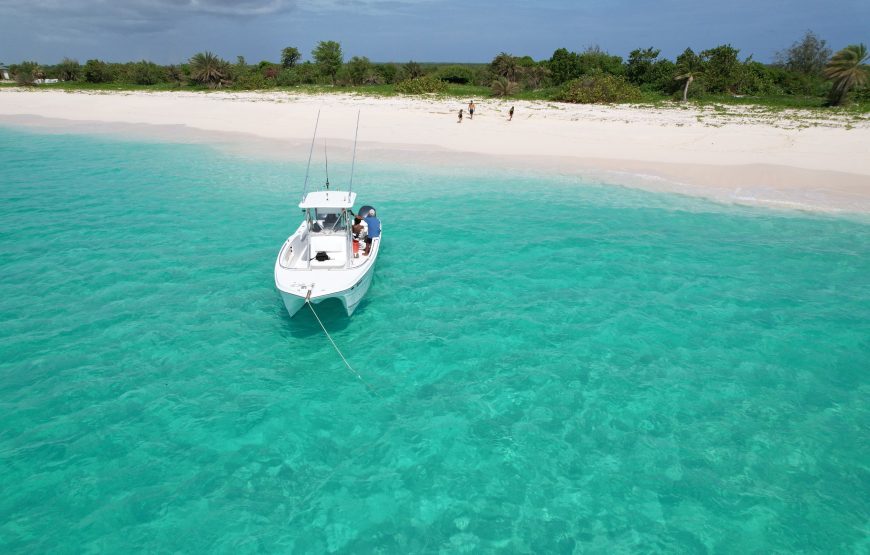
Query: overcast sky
[[170, 31]]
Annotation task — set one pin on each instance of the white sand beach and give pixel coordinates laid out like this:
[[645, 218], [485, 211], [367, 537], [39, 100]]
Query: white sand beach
[[805, 160]]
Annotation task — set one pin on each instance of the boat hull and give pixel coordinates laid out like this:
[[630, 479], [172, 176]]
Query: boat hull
[[350, 298]]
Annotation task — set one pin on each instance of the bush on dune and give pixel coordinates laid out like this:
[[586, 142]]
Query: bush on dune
[[144, 73], [599, 89], [455, 74], [421, 85], [26, 73]]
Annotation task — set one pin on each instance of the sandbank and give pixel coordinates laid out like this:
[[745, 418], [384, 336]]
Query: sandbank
[[794, 159]]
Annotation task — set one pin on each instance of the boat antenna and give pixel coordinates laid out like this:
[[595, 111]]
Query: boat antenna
[[353, 161], [310, 152], [326, 157]]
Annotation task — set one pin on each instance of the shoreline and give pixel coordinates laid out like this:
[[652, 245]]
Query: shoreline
[[750, 161]]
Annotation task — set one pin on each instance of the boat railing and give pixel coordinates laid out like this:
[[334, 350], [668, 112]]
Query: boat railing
[[294, 248], [286, 256]]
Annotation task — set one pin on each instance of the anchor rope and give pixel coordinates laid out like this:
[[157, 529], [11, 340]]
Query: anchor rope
[[337, 350]]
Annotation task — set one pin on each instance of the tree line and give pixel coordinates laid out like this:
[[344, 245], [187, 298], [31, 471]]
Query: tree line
[[807, 68]]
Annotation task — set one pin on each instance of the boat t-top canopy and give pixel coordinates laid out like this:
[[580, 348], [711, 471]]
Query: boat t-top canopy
[[328, 199]]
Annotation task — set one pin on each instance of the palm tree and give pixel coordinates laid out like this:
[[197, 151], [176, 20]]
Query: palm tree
[[68, 69], [846, 71], [536, 75], [413, 70], [503, 87], [505, 65], [689, 66], [174, 74], [689, 77], [208, 69]]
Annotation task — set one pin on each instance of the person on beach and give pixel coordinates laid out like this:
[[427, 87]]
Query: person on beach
[[460, 116], [511, 113], [374, 230], [360, 230], [471, 110]]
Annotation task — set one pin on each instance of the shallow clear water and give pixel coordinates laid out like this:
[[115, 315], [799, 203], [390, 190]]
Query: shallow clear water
[[551, 366]]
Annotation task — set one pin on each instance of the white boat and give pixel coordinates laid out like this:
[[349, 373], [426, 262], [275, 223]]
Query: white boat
[[318, 261], [321, 259]]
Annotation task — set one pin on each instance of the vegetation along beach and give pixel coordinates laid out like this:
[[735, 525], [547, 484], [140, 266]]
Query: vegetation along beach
[[621, 302]]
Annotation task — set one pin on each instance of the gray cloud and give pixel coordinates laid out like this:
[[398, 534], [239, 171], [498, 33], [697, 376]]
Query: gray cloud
[[364, 6], [227, 7], [147, 8], [165, 30], [76, 19], [163, 9]]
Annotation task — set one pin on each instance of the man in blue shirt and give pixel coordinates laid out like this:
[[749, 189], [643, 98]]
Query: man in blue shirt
[[374, 230]]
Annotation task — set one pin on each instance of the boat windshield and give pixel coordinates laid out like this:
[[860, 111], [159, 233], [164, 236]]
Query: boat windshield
[[328, 220]]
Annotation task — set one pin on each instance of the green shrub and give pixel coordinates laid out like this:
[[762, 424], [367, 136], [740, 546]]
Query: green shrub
[[792, 82], [650, 73], [328, 58], [412, 70], [307, 73], [661, 78], [145, 73], [253, 81], [599, 89], [26, 73], [455, 74], [721, 68], [299, 74], [97, 71], [271, 71], [389, 72], [341, 78], [421, 85], [358, 69], [373, 78], [289, 57], [175, 75], [754, 78], [594, 60], [861, 94], [288, 78]]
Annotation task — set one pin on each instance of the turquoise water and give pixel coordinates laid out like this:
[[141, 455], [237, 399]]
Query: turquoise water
[[552, 366]]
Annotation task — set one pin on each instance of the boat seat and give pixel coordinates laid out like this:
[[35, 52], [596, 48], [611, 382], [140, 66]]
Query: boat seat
[[334, 246], [336, 260]]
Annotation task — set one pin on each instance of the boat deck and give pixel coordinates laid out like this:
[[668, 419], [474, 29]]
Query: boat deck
[[295, 258]]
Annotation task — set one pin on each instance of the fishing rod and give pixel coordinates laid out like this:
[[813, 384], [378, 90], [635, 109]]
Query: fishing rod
[[310, 152], [326, 158], [353, 161]]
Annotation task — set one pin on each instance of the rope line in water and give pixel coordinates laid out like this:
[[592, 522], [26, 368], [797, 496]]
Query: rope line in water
[[337, 350]]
